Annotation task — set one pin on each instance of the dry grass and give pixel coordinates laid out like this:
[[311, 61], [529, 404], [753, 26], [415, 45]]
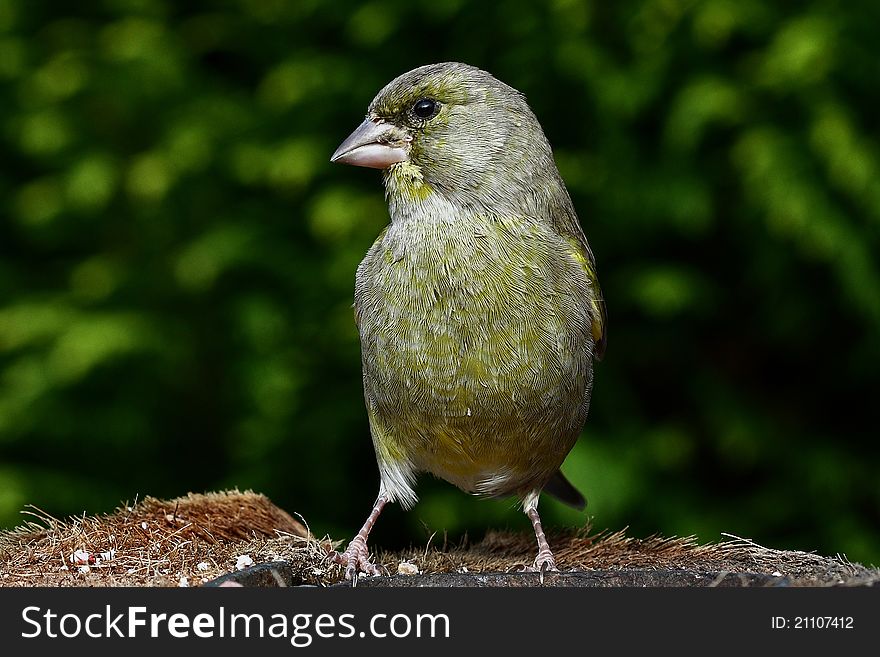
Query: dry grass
[[180, 542], [614, 551], [194, 539]]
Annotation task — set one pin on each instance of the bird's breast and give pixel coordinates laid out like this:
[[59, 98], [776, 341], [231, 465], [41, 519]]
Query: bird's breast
[[479, 318], [476, 349]]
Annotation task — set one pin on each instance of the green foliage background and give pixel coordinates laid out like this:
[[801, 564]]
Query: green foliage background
[[177, 254]]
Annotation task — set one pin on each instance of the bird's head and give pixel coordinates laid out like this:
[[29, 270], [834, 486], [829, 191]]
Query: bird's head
[[455, 130]]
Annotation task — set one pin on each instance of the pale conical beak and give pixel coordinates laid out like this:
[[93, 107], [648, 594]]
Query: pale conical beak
[[368, 146]]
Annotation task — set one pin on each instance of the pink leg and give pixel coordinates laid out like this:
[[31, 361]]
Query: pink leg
[[356, 557], [544, 561]]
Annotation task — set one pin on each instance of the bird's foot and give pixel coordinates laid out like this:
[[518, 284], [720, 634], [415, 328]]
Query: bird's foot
[[544, 563], [356, 559]]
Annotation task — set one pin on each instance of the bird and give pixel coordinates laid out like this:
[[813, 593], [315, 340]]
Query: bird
[[478, 307]]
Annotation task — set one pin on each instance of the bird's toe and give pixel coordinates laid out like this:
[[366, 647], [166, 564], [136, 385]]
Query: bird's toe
[[355, 560]]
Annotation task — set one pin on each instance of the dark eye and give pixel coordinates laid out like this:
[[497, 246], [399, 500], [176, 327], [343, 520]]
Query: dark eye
[[426, 108]]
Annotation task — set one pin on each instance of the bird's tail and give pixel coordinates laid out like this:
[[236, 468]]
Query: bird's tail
[[563, 490]]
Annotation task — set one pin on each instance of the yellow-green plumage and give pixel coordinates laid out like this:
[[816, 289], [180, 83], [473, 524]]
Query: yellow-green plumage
[[478, 307], [476, 349]]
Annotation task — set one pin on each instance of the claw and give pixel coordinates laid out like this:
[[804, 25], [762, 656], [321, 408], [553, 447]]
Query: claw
[[544, 563], [356, 558]]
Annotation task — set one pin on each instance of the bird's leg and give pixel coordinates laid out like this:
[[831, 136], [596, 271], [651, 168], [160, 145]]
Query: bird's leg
[[356, 557], [544, 562]]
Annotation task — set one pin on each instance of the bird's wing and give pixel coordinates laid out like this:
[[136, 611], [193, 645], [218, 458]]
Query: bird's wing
[[566, 222], [359, 280], [580, 250]]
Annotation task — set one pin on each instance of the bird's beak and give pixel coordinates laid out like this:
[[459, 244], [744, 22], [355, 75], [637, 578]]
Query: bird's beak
[[370, 146]]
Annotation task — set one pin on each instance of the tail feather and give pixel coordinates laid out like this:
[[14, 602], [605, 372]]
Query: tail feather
[[563, 490]]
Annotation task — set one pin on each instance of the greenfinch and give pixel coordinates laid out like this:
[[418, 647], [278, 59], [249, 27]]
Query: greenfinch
[[478, 306]]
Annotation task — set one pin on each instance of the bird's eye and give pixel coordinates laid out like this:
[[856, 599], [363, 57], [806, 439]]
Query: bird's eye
[[426, 108]]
